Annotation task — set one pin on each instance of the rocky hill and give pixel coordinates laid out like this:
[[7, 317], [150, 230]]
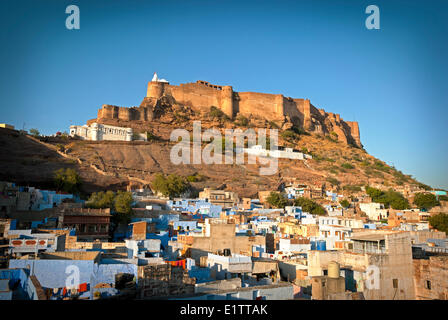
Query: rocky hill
[[115, 165]]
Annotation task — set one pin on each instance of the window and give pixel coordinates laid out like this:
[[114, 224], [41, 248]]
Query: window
[[395, 283], [428, 284]]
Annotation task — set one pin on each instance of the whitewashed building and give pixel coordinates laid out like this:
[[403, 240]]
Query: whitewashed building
[[100, 132], [375, 211], [287, 153]]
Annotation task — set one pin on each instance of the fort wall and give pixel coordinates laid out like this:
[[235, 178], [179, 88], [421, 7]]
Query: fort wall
[[201, 96]]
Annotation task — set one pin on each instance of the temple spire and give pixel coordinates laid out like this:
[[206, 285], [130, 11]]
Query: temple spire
[[155, 78]]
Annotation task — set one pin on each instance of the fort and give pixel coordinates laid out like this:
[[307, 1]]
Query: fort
[[201, 96]]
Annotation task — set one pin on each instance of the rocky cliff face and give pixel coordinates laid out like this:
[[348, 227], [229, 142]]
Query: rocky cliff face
[[192, 99]]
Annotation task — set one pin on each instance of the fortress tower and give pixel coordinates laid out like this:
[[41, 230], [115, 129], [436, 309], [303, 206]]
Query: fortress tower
[[227, 101], [155, 89]]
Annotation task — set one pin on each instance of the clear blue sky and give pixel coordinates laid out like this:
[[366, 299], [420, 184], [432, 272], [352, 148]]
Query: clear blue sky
[[392, 81]]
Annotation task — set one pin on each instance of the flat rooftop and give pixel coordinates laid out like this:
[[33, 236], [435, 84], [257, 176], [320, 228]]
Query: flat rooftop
[[369, 237], [70, 255]]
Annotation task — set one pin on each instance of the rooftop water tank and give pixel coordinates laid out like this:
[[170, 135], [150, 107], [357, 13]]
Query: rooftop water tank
[[333, 270], [321, 245]]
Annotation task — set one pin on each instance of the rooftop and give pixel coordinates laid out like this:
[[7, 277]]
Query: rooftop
[[86, 212], [70, 255], [369, 237]]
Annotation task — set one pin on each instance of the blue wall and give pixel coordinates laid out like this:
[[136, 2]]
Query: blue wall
[[51, 273]]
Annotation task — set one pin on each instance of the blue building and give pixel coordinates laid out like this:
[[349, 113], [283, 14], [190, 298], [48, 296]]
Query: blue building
[[195, 206]]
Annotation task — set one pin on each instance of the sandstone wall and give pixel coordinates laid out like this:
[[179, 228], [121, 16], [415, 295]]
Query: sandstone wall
[[201, 95], [431, 278]]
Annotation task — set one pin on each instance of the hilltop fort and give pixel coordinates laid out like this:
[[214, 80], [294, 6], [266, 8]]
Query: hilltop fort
[[200, 96]]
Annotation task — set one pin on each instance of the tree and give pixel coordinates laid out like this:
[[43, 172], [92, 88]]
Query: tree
[[310, 206], [344, 203], [397, 201], [425, 200], [373, 193], [34, 132], [102, 200], [277, 200], [123, 202], [439, 222], [67, 180], [120, 204], [170, 186], [391, 198]]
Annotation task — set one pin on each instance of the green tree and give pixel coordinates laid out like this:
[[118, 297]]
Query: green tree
[[120, 204], [439, 222], [391, 198], [344, 203], [169, 186], [425, 200], [67, 180], [310, 206], [102, 200], [123, 202], [373, 193], [277, 200], [399, 204], [34, 132]]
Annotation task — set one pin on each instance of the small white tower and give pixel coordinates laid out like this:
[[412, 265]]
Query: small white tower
[[94, 131], [155, 78], [129, 134]]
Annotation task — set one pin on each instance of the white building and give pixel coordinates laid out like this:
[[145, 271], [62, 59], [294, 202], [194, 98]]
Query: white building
[[375, 211], [334, 233], [288, 153], [294, 245], [340, 221], [99, 132], [222, 267]]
